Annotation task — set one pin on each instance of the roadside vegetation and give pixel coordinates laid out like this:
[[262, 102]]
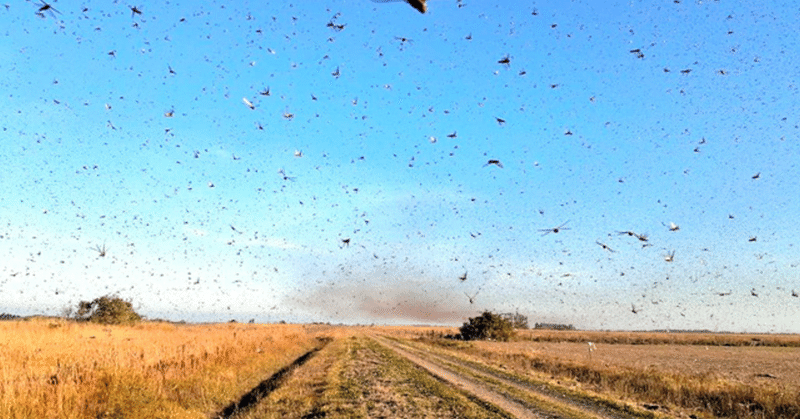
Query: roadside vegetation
[[373, 381], [55, 368], [487, 326]]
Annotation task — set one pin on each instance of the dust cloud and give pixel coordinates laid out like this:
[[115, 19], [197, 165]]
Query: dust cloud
[[401, 299]]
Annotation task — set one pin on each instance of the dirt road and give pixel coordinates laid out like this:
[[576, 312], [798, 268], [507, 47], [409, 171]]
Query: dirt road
[[464, 383], [365, 375], [357, 377], [519, 398]]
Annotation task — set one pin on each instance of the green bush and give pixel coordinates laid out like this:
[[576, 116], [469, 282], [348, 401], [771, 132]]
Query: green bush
[[487, 326], [107, 310]]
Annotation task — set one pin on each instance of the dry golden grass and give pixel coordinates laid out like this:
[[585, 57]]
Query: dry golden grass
[[309, 387], [50, 368]]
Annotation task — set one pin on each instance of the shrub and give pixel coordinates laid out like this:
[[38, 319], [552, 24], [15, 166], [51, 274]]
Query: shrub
[[107, 310], [487, 326], [519, 321]]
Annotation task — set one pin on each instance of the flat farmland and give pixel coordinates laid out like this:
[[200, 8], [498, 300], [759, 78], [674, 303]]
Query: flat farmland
[[684, 374], [767, 365], [50, 368], [58, 369]]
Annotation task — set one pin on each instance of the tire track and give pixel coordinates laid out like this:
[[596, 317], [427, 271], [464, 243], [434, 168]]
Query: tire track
[[469, 385], [264, 388], [475, 376]]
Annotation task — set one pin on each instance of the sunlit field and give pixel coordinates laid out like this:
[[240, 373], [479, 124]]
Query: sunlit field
[[654, 338], [706, 374], [57, 369], [53, 368]]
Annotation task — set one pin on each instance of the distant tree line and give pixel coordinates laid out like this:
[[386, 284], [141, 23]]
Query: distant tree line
[[554, 326], [518, 321]]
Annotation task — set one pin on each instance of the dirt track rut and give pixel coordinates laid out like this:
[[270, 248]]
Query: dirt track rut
[[482, 392], [570, 407]]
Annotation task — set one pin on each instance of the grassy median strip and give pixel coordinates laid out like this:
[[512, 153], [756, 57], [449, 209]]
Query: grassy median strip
[[420, 381], [372, 380]]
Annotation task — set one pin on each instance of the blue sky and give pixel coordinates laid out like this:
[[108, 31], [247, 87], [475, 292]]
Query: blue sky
[[378, 127]]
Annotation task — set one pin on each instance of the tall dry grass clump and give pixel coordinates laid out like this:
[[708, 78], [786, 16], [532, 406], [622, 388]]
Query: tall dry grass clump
[[50, 368]]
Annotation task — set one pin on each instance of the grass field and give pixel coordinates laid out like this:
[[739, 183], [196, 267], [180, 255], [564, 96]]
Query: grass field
[[50, 368], [659, 338], [55, 369]]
